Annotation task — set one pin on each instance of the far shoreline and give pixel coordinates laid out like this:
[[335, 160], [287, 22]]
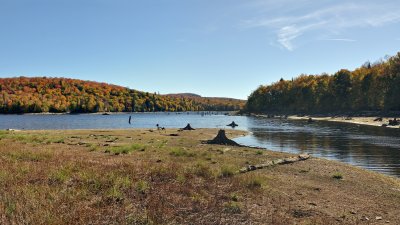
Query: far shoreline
[[118, 113], [356, 120]]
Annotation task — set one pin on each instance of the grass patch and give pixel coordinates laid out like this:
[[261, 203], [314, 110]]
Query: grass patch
[[179, 152], [227, 171], [162, 144], [259, 152], [29, 156], [234, 197], [92, 147], [10, 208], [142, 186], [202, 170], [61, 175], [232, 207], [24, 138], [4, 176], [126, 149], [337, 176], [253, 182]]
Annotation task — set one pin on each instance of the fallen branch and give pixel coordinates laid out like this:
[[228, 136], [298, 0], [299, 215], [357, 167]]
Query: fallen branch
[[289, 160]]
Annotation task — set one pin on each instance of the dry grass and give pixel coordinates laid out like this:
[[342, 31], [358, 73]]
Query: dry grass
[[142, 177]]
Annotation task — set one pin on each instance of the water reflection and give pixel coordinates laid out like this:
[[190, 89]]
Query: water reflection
[[374, 148]]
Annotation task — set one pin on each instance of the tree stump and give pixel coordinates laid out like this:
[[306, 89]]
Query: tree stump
[[188, 127], [221, 139], [233, 124]]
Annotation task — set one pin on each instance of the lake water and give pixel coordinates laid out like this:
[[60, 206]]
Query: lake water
[[373, 148]]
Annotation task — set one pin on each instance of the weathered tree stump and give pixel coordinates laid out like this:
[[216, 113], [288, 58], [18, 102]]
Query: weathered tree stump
[[233, 124], [188, 127], [221, 139]]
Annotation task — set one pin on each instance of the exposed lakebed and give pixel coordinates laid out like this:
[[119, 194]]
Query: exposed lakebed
[[373, 148]]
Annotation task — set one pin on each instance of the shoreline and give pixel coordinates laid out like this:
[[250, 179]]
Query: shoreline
[[366, 121], [116, 113], [356, 120]]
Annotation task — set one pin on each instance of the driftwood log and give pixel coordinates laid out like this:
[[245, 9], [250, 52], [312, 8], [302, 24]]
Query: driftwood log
[[221, 139], [289, 160]]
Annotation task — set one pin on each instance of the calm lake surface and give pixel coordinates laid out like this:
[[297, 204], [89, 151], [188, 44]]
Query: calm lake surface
[[373, 148]]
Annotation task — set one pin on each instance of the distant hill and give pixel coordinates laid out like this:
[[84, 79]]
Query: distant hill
[[212, 102], [190, 95], [44, 94]]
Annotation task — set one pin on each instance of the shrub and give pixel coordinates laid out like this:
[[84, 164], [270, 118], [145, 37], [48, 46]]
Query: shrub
[[227, 171], [202, 170], [232, 207], [142, 186], [337, 176], [234, 197], [254, 182]]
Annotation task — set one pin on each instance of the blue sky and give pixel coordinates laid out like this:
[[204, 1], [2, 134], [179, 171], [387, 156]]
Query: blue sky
[[221, 48]]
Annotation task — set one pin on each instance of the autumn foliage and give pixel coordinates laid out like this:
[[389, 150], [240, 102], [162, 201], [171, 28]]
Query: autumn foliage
[[42, 94], [373, 87]]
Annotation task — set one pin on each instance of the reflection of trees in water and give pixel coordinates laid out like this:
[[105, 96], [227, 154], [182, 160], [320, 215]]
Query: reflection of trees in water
[[357, 145]]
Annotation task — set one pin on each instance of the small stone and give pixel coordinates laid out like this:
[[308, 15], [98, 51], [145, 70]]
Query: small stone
[[304, 156], [353, 212], [379, 218]]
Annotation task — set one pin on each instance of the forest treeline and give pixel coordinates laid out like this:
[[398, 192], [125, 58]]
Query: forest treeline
[[59, 95], [372, 87]]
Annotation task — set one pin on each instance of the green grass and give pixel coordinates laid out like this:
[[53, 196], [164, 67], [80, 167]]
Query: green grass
[[337, 176], [29, 156], [163, 144], [61, 175], [31, 138], [234, 197], [232, 207], [254, 182], [142, 186], [10, 208], [227, 171], [126, 149], [179, 152], [202, 170]]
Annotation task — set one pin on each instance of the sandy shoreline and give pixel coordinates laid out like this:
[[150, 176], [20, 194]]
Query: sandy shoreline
[[368, 121]]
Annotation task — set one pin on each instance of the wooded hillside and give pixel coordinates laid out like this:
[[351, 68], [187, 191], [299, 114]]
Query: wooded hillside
[[42, 94], [372, 87]]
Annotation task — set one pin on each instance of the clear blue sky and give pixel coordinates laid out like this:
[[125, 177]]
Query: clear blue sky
[[210, 47]]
